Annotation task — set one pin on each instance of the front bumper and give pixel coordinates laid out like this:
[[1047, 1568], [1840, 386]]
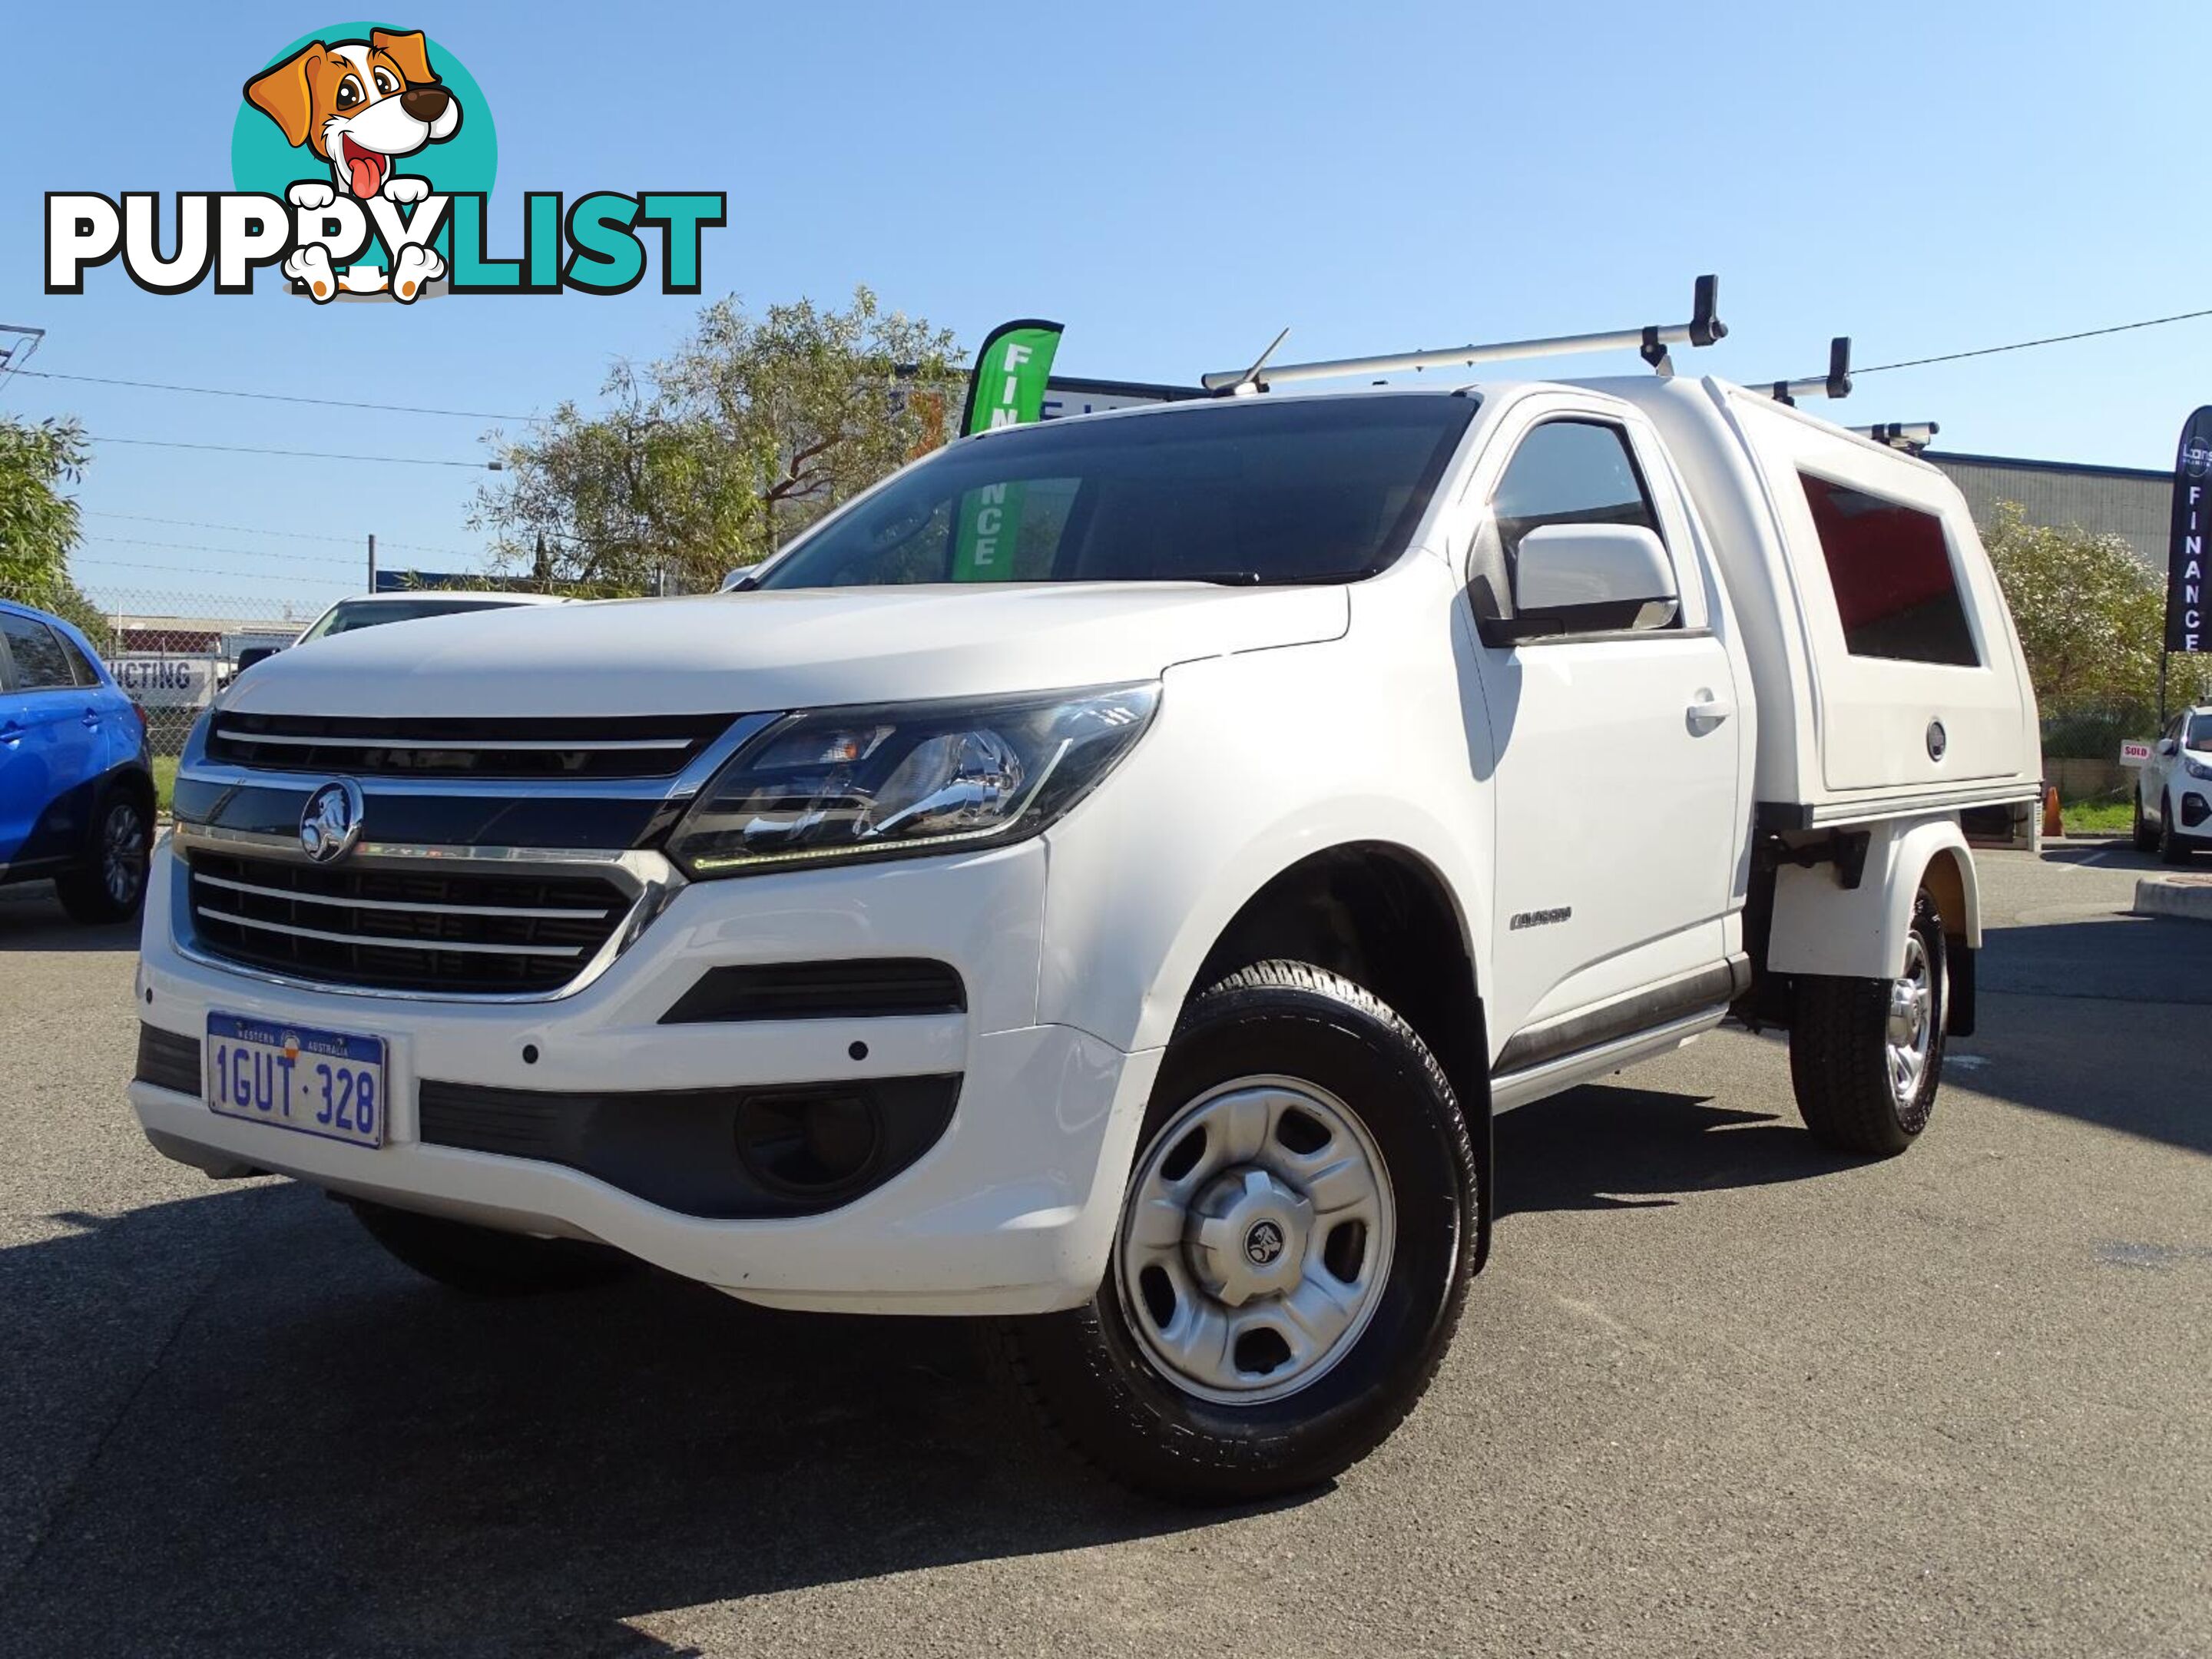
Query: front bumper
[[1011, 1209]]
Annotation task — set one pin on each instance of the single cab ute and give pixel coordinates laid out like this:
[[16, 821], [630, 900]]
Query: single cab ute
[[1106, 879]]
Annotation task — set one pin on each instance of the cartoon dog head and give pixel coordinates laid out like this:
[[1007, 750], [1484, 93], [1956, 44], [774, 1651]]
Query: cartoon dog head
[[358, 104]]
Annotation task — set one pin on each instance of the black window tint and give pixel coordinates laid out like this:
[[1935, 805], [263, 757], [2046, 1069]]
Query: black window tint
[[39, 663], [2200, 732], [1303, 489], [1891, 568], [1001, 532], [1569, 473], [80, 664]]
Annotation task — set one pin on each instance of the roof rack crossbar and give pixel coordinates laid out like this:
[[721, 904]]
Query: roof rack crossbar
[[1836, 383], [1912, 436], [1704, 328]]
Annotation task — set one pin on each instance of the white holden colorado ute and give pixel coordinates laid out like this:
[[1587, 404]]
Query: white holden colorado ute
[[1107, 878]]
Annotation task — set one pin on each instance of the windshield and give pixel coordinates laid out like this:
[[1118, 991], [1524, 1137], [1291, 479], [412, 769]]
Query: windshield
[[1242, 491], [2198, 733], [347, 618]]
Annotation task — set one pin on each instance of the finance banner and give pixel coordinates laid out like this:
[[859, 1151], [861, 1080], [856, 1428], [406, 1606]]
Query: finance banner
[[1008, 386], [1007, 389], [2184, 554]]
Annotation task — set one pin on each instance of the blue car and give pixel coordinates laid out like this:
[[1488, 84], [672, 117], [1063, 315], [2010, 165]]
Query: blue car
[[77, 779]]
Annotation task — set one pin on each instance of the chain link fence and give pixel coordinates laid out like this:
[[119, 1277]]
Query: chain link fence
[[171, 651]]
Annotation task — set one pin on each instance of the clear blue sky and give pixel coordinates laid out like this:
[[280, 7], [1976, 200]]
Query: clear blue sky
[[1175, 182]]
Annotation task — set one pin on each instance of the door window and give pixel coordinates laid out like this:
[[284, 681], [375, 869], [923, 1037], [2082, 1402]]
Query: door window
[[1571, 472], [1567, 472], [40, 664], [80, 664]]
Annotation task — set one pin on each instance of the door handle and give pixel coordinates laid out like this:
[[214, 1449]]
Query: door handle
[[11, 732], [92, 717], [1707, 711]]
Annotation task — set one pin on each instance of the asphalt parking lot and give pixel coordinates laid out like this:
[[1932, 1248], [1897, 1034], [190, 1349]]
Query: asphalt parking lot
[[1719, 1391]]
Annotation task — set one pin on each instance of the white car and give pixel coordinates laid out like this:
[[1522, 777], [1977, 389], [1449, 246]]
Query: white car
[[2173, 788], [1107, 877], [375, 610]]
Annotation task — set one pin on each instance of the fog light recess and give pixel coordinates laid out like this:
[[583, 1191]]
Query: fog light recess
[[809, 1144]]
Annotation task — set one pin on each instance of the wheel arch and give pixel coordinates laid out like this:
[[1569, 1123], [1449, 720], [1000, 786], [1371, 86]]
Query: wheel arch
[[1820, 927], [1384, 917], [139, 782]]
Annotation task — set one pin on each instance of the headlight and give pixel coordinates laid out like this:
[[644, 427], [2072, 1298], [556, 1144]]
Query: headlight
[[854, 783], [2195, 769]]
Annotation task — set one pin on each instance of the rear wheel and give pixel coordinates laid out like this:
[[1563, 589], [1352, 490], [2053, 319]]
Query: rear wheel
[[111, 885], [1866, 1055], [2172, 848], [2146, 838], [483, 1261], [1293, 1250]]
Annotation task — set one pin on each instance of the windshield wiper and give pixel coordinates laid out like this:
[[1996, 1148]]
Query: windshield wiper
[[1256, 578]]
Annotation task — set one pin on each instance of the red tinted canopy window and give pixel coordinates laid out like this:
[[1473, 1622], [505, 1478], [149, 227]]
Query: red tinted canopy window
[[1891, 570]]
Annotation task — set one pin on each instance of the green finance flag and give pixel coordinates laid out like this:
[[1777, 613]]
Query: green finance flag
[[1007, 389]]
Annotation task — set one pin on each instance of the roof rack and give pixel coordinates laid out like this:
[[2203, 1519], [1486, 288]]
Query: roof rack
[[1836, 383], [1911, 436], [1704, 328]]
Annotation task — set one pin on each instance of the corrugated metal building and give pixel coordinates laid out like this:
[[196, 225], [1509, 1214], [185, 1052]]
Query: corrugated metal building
[[2120, 501]]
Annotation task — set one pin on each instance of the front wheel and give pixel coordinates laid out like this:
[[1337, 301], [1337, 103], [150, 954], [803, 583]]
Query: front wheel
[[2146, 838], [1293, 1253], [1866, 1054], [2172, 848]]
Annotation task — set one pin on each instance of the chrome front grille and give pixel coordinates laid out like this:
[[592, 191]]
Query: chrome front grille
[[431, 929], [616, 746]]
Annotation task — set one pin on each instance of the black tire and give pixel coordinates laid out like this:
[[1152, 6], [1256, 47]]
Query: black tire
[[481, 1261], [1839, 1051], [1086, 1373], [2171, 847], [2146, 838], [110, 886]]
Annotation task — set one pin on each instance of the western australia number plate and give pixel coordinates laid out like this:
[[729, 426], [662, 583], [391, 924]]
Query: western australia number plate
[[320, 1083]]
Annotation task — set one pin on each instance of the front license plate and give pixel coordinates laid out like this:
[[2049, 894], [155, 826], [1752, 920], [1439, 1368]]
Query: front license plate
[[320, 1083]]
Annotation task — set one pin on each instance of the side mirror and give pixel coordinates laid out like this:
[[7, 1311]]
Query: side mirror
[[743, 580], [254, 654], [1579, 578], [2168, 746]]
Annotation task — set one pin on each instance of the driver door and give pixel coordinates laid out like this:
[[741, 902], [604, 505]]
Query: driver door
[[1617, 751]]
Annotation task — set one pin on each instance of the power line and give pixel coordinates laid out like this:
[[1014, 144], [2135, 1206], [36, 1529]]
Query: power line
[[105, 563], [276, 397], [242, 552], [256, 530], [297, 454], [233, 529], [2049, 339], [419, 547]]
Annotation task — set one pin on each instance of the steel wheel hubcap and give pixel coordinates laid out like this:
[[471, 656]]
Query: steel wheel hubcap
[[123, 853], [1911, 1027], [1257, 1241]]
